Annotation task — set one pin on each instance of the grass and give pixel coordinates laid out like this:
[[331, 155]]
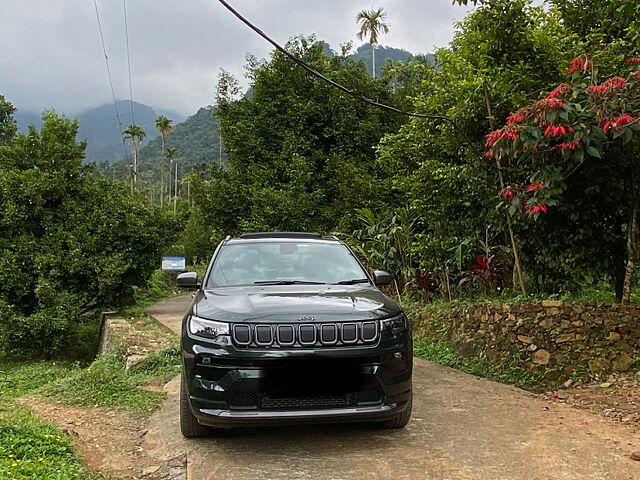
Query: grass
[[24, 377], [34, 450], [106, 383], [507, 371]]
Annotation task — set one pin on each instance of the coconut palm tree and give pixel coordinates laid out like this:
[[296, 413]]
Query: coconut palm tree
[[169, 154], [164, 127], [135, 134], [372, 25]]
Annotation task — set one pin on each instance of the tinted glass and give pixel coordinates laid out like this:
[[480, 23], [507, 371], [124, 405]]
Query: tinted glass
[[247, 263]]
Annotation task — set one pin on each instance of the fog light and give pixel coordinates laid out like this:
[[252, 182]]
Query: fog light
[[206, 360], [397, 355]]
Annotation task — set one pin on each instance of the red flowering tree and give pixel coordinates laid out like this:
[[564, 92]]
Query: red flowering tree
[[577, 122]]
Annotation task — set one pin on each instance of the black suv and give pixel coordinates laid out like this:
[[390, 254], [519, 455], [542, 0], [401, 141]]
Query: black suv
[[290, 328]]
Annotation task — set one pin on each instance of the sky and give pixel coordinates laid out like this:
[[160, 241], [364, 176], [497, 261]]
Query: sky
[[51, 54]]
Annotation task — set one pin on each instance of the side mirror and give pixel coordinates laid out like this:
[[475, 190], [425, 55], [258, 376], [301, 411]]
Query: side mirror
[[188, 280], [382, 278]]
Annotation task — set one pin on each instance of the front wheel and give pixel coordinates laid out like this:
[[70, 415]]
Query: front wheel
[[400, 420], [189, 425]]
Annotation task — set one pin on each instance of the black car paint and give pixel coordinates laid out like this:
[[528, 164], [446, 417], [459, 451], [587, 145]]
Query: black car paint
[[215, 369]]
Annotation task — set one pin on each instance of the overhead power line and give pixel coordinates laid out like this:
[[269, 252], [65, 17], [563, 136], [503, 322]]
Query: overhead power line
[[344, 89], [106, 61], [126, 34]]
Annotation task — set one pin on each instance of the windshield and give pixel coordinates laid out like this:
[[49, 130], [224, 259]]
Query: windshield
[[284, 262]]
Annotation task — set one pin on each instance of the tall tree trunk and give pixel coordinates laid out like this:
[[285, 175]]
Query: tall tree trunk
[[135, 166], [373, 61], [633, 232], [517, 265], [162, 172]]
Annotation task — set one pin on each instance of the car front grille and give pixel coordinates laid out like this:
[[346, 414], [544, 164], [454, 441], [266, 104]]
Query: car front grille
[[305, 335], [260, 401]]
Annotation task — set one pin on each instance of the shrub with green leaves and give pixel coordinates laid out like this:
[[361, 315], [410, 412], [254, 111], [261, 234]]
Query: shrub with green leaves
[[69, 242]]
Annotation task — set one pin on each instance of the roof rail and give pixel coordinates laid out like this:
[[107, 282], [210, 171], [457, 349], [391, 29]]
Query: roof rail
[[256, 235]]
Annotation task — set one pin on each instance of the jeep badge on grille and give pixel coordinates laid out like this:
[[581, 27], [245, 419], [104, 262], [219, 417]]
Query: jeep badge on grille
[[306, 319]]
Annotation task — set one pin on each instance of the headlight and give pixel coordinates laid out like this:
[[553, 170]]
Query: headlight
[[207, 328], [396, 325]]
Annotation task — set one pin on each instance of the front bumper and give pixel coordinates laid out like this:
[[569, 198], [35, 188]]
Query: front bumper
[[229, 387]]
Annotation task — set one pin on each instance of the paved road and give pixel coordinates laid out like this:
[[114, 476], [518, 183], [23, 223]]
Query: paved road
[[463, 427]]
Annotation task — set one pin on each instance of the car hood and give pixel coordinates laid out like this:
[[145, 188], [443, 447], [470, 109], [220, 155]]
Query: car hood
[[292, 303]]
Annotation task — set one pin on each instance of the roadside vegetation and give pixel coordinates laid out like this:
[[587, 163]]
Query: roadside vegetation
[[31, 449], [507, 371], [531, 191]]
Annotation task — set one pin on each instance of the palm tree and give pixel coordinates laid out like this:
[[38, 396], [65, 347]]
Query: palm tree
[[164, 127], [169, 154], [372, 25], [135, 134]]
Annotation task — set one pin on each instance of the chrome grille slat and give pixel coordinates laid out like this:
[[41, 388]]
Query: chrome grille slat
[[323, 334]]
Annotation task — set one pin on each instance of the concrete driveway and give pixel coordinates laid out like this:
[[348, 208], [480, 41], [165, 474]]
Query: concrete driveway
[[463, 427]]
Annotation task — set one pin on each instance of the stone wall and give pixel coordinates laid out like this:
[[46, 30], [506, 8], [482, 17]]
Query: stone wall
[[557, 338]]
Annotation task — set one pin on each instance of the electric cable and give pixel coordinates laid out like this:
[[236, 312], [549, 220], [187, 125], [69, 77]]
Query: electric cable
[[126, 34], [106, 61], [344, 89]]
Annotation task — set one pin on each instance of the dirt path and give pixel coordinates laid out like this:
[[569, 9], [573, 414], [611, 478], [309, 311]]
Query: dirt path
[[463, 427]]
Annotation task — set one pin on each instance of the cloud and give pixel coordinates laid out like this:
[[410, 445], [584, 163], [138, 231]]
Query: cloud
[[52, 56]]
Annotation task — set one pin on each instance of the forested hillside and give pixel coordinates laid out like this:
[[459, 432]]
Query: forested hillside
[[99, 127], [383, 56]]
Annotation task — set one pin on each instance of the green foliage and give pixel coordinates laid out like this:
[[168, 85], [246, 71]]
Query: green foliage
[[507, 371], [30, 449], [68, 242], [106, 383], [8, 125], [301, 152], [386, 242], [26, 377], [196, 146]]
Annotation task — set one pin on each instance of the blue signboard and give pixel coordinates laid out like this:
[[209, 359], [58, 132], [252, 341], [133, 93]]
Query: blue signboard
[[174, 264]]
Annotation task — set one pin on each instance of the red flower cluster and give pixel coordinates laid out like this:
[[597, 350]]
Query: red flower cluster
[[578, 64], [548, 104], [557, 131], [505, 134], [633, 61], [560, 91], [614, 83], [534, 187], [507, 193], [617, 123], [490, 155], [572, 145], [518, 117], [533, 209]]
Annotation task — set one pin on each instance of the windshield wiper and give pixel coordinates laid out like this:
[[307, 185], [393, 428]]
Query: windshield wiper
[[287, 282], [353, 282]]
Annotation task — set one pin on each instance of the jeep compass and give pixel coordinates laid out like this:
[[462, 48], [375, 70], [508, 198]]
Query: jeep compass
[[291, 328]]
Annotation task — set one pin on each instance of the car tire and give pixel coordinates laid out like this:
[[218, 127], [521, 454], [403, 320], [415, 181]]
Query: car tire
[[400, 420], [189, 425]]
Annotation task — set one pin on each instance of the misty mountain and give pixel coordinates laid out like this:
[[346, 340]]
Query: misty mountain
[[197, 147], [99, 127], [24, 119], [383, 54]]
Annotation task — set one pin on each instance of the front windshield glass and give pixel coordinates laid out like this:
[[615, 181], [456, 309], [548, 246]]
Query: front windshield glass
[[284, 262]]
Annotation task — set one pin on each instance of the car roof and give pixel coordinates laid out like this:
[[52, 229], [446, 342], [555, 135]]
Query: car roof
[[282, 236]]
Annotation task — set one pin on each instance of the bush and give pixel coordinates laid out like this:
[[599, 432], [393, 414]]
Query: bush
[[69, 242]]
